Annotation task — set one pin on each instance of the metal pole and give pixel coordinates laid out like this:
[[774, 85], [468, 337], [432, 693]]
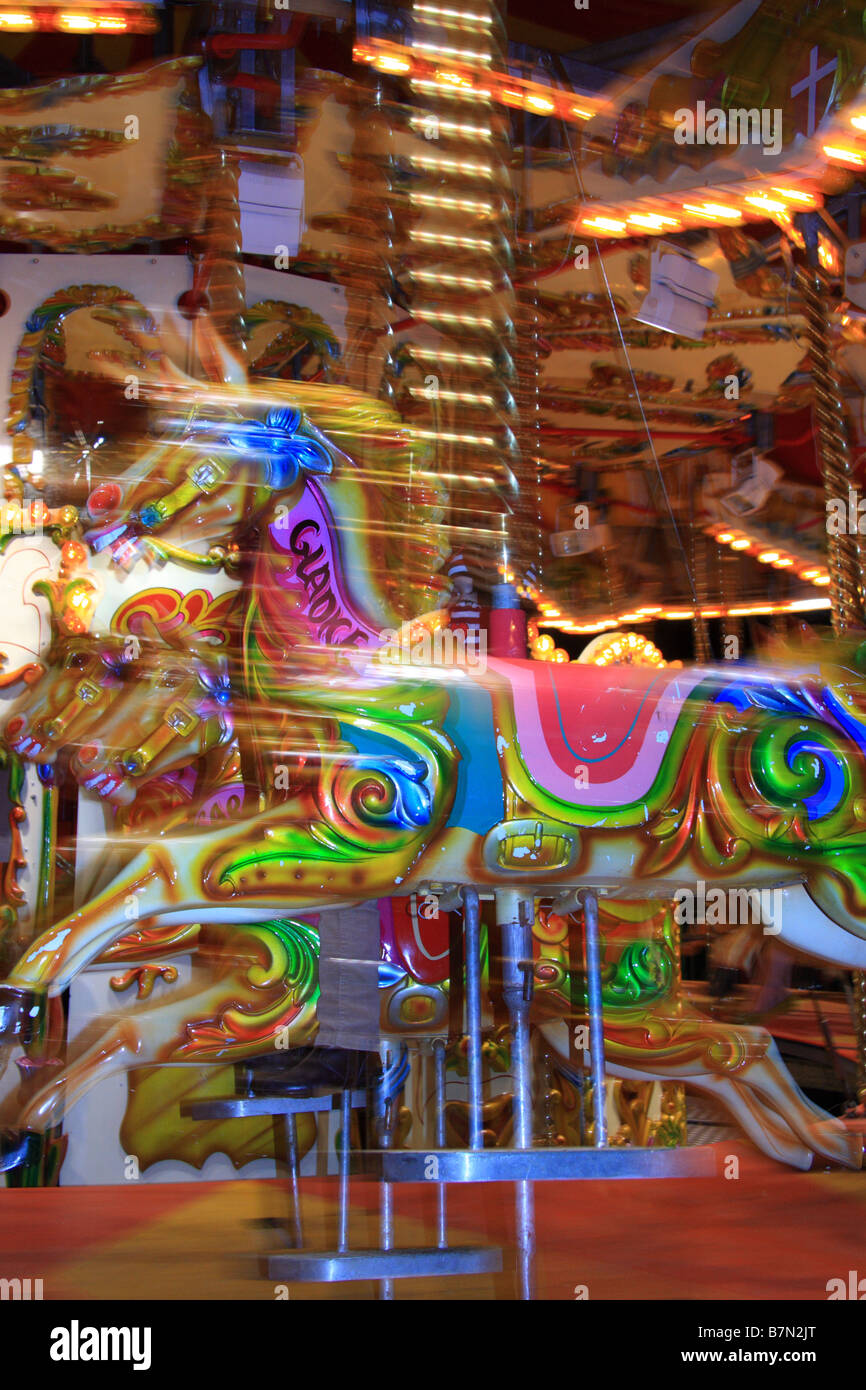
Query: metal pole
[[441, 1196], [515, 916], [345, 1154], [596, 1020], [472, 937], [292, 1156], [386, 1207]]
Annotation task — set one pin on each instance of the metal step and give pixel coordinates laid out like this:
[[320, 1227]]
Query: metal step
[[541, 1165], [240, 1107], [408, 1262]]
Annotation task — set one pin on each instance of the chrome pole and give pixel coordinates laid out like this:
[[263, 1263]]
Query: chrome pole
[[472, 936], [596, 1018], [386, 1207], [516, 925], [292, 1156], [439, 1050], [345, 1155]]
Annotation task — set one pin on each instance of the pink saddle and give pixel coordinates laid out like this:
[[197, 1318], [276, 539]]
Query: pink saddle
[[593, 735]]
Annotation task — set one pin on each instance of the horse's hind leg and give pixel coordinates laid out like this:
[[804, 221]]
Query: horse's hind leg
[[770, 1079]]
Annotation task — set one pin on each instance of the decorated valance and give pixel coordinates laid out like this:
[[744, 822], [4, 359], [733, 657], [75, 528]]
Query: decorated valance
[[93, 163]]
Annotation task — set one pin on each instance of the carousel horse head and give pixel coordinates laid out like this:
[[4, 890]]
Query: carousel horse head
[[124, 713]]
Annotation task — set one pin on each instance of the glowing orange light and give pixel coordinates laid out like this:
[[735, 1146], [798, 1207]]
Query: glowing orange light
[[765, 204], [603, 224], [795, 195], [77, 23], [654, 221], [386, 62], [542, 104], [713, 211], [844, 156]]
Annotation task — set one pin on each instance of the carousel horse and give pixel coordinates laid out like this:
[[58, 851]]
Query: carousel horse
[[379, 779]]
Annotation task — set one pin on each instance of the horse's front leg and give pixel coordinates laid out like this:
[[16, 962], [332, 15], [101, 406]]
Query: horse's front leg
[[140, 1035], [154, 883]]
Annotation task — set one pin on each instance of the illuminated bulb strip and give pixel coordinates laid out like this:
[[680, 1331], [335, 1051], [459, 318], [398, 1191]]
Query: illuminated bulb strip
[[466, 132], [461, 54], [461, 282], [474, 243], [83, 19], [456, 166], [466, 359], [779, 559], [616, 222], [801, 605], [463, 397], [417, 61], [437, 200], [483, 20], [455, 93], [483, 439], [445, 316]]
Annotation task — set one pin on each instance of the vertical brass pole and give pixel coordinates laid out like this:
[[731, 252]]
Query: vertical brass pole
[[845, 564]]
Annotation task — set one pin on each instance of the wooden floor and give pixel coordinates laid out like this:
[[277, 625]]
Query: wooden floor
[[771, 1233]]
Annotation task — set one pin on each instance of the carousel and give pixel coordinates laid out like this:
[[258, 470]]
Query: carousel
[[433, 676]]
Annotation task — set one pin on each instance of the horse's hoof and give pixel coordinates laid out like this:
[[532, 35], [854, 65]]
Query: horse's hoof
[[19, 1147], [22, 1014]]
